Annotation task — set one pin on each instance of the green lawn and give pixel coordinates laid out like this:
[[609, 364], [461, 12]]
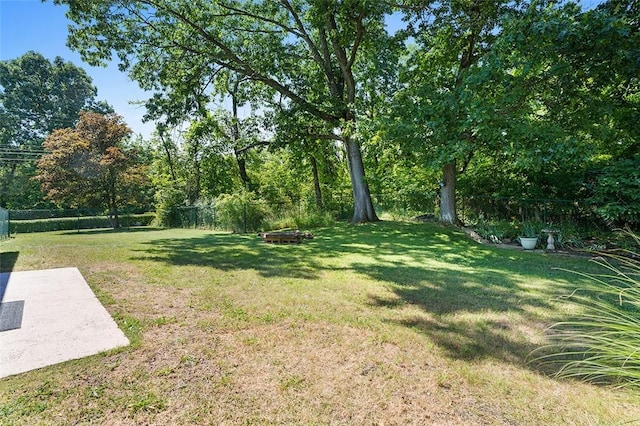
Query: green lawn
[[387, 323]]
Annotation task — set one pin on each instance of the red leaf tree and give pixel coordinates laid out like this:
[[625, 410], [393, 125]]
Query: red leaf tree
[[91, 165]]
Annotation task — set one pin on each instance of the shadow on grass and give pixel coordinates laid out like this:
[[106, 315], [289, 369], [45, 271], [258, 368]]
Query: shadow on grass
[[468, 291], [99, 231], [7, 262], [236, 252]]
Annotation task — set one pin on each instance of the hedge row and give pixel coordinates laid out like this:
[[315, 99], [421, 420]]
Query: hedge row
[[70, 223]]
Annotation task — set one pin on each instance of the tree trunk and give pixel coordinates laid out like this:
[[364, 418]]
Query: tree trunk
[[116, 217], [169, 161], [448, 190], [362, 205], [448, 194], [316, 183], [242, 168]]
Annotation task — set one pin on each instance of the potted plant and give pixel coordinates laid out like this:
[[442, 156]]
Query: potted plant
[[529, 237]]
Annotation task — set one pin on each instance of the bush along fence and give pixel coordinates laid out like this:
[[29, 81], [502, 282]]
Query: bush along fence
[[244, 212], [4, 224], [239, 216], [25, 221]]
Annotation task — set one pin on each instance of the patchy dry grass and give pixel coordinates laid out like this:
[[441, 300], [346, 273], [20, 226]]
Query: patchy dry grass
[[389, 323]]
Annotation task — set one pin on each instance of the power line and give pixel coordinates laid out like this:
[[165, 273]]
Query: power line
[[12, 155], [17, 160], [24, 151]]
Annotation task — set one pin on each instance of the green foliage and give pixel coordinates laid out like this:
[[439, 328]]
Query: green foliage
[[530, 229], [601, 344], [546, 89], [315, 56], [495, 232], [40, 96], [241, 212], [314, 219], [617, 192], [92, 165], [311, 218], [570, 236], [37, 97], [282, 178], [167, 198]]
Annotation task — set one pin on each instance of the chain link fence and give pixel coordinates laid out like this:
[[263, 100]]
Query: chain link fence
[[194, 217], [472, 209], [42, 220], [250, 215], [4, 224]]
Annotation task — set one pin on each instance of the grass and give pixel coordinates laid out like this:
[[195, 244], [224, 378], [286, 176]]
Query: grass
[[387, 323], [602, 344]]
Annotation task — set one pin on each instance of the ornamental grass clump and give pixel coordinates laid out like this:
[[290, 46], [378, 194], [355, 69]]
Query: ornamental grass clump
[[602, 343]]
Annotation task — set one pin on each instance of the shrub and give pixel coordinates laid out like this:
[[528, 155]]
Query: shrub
[[314, 219], [241, 212], [166, 200], [304, 220], [490, 231], [496, 231], [602, 344]]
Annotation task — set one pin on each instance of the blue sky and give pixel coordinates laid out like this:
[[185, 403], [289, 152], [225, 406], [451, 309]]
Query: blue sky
[[31, 25]]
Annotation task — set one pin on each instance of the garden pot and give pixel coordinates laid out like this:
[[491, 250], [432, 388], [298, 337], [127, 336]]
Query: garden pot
[[528, 243]]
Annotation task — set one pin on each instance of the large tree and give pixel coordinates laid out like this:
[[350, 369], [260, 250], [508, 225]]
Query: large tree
[[442, 115], [309, 52], [91, 165], [543, 89], [36, 97]]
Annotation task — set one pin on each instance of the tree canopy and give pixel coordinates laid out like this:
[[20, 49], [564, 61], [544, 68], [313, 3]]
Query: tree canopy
[[542, 89], [517, 98], [90, 165], [312, 53], [37, 96]]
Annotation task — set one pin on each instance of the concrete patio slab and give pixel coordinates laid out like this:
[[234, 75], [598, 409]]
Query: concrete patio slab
[[61, 320]]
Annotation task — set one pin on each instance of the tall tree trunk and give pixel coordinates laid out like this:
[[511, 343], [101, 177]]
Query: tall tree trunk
[[448, 194], [167, 151], [316, 183], [242, 168], [116, 217], [363, 210], [448, 191]]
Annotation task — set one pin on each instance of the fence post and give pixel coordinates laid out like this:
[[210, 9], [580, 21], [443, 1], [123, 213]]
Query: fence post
[[5, 225]]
